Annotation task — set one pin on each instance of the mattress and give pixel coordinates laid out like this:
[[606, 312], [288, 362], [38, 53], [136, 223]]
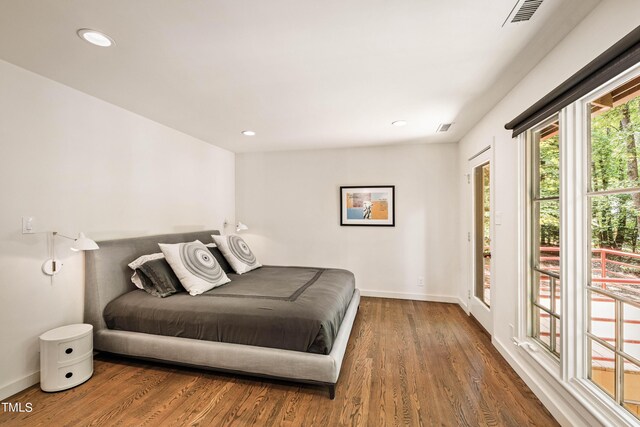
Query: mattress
[[290, 308]]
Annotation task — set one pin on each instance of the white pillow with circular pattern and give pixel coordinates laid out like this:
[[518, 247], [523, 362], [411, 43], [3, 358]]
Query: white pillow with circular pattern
[[237, 253], [195, 266]]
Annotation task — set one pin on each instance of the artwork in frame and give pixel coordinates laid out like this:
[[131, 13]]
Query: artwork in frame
[[373, 205]]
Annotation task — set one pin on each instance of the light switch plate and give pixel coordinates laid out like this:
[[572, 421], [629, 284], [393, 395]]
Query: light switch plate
[[498, 218], [27, 225]]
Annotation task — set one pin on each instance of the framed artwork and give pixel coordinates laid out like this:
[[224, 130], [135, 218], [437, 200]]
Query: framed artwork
[[373, 205]]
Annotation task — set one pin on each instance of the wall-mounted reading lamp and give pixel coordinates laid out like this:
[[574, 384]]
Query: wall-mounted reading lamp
[[239, 226], [52, 266]]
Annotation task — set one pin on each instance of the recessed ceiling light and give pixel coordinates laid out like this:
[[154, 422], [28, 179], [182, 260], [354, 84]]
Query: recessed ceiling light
[[399, 123], [95, 37], [248, 133]]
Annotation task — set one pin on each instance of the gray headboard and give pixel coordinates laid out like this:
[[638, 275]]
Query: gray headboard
[[107, 275]]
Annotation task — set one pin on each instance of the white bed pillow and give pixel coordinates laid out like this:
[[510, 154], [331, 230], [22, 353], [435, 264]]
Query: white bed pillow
[[138, 262], [195, 266], [237, 253]]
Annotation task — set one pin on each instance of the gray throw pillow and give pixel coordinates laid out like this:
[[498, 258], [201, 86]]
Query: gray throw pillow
[[158, 278], [215, 251]]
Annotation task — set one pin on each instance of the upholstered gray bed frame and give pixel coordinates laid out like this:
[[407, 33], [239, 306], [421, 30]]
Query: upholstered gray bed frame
[[108, 277]]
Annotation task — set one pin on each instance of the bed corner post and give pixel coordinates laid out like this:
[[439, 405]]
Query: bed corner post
[[332, 391]]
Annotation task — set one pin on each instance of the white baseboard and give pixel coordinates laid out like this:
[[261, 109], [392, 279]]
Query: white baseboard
[[562, 405], [19, 385], [463, 304], [416, 297]]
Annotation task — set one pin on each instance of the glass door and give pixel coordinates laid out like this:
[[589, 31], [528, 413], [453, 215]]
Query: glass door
[[480, 178], [482, 230]]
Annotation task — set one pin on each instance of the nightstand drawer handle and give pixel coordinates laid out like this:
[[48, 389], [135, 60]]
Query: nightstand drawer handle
[[69, 375], [69, 350]]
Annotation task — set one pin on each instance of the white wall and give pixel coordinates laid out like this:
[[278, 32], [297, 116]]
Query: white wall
[[609, 22], [290, 201], [77, 163]]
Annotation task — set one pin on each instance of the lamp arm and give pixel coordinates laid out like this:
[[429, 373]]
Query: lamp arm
[[55, 233]]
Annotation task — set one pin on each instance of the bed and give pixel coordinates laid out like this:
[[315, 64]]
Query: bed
[[289, 323]]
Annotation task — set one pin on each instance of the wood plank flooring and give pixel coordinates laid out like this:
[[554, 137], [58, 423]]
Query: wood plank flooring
[[408, 363]]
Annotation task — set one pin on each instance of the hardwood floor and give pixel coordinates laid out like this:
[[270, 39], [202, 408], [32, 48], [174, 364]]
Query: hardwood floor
[[408, 363]]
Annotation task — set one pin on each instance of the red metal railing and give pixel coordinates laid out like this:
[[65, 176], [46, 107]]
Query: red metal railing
[[602, 258]]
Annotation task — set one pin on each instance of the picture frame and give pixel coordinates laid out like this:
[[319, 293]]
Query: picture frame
[[371, 205]]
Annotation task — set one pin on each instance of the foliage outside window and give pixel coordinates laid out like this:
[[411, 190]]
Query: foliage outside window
[[613, 291], [486, 221], [482, 182], [544, 299]]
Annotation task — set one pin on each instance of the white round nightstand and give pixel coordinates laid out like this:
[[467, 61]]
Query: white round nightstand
[[66, 357]]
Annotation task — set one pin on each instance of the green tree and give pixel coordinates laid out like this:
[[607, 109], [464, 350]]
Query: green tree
[[614, 165]]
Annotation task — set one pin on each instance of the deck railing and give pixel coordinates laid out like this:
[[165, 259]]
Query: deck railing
[[603, 273], [603, 260]]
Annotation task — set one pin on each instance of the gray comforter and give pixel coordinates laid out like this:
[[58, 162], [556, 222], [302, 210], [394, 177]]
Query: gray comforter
[[292, 308]]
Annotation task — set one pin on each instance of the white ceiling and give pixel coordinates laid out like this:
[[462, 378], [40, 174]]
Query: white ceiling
[[301, 73]]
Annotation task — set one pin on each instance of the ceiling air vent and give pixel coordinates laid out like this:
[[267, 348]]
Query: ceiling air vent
[[525, 11], [444, 127]]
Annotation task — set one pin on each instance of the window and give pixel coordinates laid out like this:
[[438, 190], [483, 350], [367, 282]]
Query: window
[[544, 205], [613, 288], [580, 233]]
